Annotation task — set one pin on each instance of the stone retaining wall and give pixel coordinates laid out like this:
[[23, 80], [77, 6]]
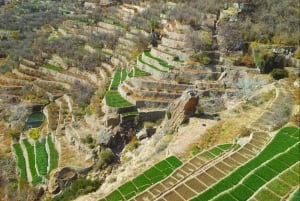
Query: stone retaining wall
[[151, 115], [151, 84], [108, 26], [169, 57], [295, 62], [173, 51], [151, 104], [192, 76], [172, 43]]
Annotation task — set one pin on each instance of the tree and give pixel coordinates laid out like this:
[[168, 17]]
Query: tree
[[199, 41], [279, 73], [231, 36]]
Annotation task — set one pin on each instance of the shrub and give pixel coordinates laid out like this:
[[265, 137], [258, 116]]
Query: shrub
[[201, 58], [14, 134], [278, 73], [168, 113], [34, 133], [79, 187]]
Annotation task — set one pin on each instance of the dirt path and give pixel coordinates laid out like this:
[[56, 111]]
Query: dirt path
[[189, 135]]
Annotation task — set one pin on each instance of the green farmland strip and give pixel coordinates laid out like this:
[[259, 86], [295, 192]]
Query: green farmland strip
[[116, 80], [151, 176], [279, 187], [137, 73], [21, 161], [53, 154], [163, 63], [115, 196], [241, 192], [216, 151], [151, 66], [52, 67], [254, 182], [285, 138], [296, 196], [41, 157], [114, 99], [266, 195], [31, 159]]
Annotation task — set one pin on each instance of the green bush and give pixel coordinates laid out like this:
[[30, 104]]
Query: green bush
[[201, 58], [79, 187], [279, 73], [34, 133]]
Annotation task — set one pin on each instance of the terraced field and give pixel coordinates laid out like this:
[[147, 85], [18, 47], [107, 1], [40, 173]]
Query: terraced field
[[40, 158], [153, 175], [280, 154], [114, 99]]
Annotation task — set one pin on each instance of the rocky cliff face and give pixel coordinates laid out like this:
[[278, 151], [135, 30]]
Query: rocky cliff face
[[181, 110]]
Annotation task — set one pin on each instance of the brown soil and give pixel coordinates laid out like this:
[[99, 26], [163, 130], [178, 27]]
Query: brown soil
[[239, 158], [185, 192], [197, 162], [188, 168], [213, 172], [226, 168], [206, 179], [196, 185], [173, 196]]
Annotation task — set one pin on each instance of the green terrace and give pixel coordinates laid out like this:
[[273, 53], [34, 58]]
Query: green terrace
[[31, 159], [216, 151], [280, 186], [160, 61], [52, 67], [37, 159], [279, 155], [114, 99], [119, 76], [150, 65], [148, 178], [20, 161], [136, 72]]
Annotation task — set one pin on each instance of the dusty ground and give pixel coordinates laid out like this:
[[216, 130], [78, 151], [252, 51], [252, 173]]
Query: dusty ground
[[189, 135]]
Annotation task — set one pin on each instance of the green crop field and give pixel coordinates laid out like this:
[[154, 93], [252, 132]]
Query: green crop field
[[137, 73], [53, 154], [151, 66], [21, 161], [160, 61], [114, 99], [37, 159], [41, 157], [119, 76], [148, 178], [216, 151], [31, 159], [242, 183]]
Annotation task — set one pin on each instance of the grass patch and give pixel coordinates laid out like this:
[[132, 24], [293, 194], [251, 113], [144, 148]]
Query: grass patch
[[114, 99]]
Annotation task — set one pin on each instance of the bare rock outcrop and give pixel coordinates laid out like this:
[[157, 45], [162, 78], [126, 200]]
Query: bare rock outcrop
[[181, 110]]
